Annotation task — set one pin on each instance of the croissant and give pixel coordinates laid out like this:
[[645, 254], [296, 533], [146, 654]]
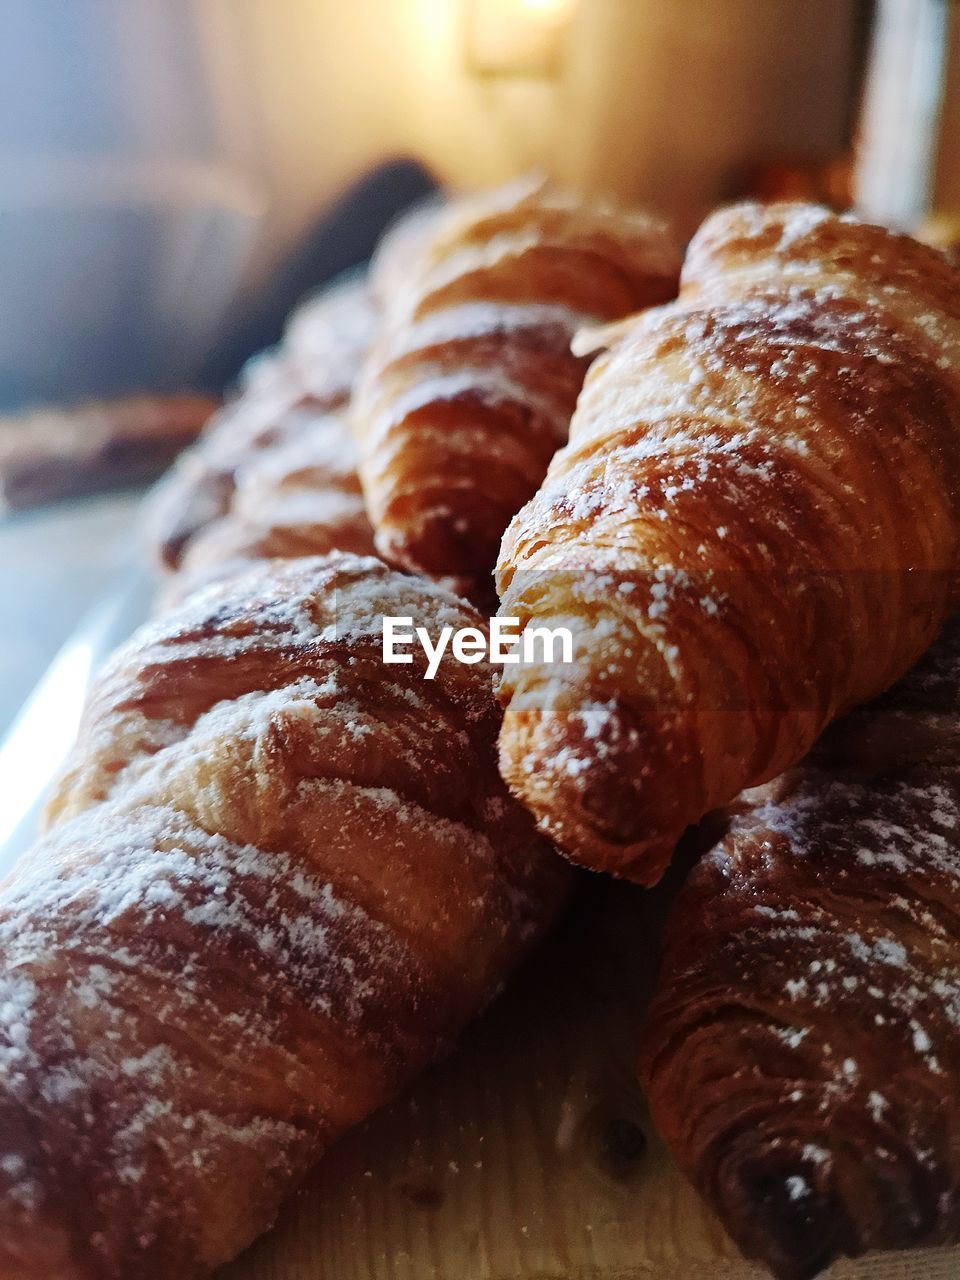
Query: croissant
[[282, 395], [470, 387], [404, 242], [299, 498], [755, 526], [802, 1051], [278, 878]]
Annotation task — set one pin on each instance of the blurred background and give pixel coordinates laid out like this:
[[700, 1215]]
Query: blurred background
[[175, 174], [163, 162]]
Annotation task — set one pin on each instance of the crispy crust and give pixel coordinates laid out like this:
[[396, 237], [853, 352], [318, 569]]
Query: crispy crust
[[755, 526], [297, 498], [289, 392], [800, 1053], [279, 877], [470, 388]]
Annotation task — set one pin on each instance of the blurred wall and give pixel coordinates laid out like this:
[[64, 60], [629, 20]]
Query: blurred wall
[[658, 100], [119, 77], [122, 237], [124, 124]]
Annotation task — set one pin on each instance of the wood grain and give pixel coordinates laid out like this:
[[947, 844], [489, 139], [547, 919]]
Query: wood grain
[[528, 1154]]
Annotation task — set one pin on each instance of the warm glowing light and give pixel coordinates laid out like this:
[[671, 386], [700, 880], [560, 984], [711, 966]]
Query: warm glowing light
[[516, 37], [556, 8]]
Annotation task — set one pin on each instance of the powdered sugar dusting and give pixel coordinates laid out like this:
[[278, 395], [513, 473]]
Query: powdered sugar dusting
[[234, 949], [816, 948]]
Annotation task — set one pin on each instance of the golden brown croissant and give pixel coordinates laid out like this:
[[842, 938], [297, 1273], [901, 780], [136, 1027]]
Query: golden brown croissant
[[470, 388], [802, 1054], [283, 395], [282, 877], [755, 526], [299, 498]]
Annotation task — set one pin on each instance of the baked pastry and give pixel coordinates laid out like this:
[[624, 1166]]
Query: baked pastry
[[299, 498], [404, 243], [755, 526], [802, 1053], [328, 336], [470, 387], [280, 877], [51, 454], [282, 395]]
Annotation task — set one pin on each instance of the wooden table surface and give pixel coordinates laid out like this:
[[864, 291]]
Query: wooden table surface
[[528, 1154]]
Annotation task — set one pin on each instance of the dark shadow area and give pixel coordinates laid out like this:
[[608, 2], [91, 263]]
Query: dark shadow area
[[344, 237]]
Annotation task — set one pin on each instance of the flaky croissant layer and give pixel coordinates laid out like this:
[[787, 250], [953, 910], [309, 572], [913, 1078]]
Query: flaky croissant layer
[[802, 1051], [279, 878], [299, 497], [284, 397], [470, 387], [755, 525]]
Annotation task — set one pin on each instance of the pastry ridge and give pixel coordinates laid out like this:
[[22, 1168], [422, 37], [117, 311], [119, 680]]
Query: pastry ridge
[[278, 878], [471, 384], [283, 395], [299, 497], [755, 526], [799, 1050]]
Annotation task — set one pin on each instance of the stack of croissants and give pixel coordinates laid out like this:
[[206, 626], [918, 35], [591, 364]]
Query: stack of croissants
[[278, 875]]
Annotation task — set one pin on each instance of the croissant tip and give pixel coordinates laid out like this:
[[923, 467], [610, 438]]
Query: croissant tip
[[784, 1211]]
